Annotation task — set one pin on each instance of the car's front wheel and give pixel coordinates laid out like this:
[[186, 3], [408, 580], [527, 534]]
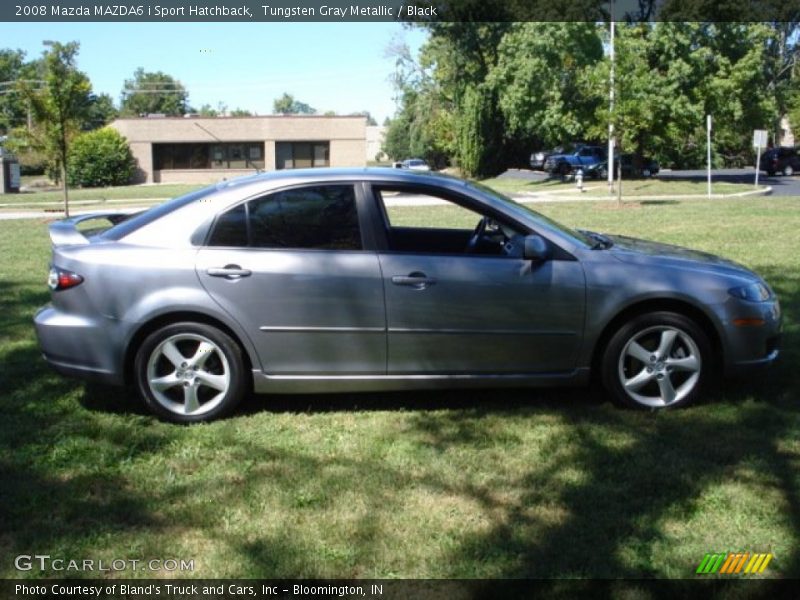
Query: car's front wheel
[[190, 372], [788, 170], [657, 360]]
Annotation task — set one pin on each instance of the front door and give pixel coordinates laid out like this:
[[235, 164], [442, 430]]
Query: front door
[[457, 307]]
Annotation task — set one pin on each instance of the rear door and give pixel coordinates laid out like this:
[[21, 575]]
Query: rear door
[[291, 268]]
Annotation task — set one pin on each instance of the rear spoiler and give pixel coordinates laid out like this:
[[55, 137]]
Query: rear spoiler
[[65, 232]]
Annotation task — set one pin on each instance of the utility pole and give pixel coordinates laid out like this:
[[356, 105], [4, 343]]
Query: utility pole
[[611, 110], [708, 145]]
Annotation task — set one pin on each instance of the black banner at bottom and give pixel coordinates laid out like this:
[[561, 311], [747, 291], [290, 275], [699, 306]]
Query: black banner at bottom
[[375, 589]]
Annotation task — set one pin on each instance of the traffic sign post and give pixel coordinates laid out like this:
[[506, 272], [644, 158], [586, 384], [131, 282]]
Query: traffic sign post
[[759, 142]]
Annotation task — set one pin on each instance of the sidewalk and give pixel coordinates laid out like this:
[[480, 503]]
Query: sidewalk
[[522, 197], [572, 196]]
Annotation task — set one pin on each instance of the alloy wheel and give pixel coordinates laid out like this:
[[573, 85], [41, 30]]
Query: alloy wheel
[[659, 366], [188, 374]]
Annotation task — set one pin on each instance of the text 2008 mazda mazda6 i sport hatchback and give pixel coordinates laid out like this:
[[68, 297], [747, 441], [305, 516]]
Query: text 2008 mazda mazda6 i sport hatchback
[[309, 281]]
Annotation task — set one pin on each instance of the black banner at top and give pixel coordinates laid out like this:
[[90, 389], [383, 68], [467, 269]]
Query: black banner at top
[[410, 11]]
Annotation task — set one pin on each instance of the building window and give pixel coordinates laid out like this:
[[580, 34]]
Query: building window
[[300, 155], [237, 155]]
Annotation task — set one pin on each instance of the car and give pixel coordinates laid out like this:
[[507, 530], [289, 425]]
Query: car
[[783, 160], [582, 156], [306, 281], [538, 159], [649, 168], [415, 164]]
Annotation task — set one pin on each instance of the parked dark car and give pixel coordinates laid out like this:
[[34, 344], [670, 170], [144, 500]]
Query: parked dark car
[[538, 159], [783, 160], [649, 168], [303, 281], [579, 157]]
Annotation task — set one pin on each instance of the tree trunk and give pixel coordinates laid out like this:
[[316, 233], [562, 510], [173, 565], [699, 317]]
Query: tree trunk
[[66, 190], [64, 170]]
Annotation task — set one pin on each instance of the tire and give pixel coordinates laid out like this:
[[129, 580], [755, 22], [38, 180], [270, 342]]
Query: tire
[[636, 375], [564, 169], [788, 170], [199, 370]]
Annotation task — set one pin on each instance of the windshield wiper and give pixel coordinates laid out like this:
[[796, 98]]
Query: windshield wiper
[[601, 242]]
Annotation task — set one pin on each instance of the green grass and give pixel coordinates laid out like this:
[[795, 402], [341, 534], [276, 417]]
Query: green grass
[[128, 192], [449, 484], [632, 187]]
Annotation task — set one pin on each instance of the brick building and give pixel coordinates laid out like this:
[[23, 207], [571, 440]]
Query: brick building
[[206, 149]]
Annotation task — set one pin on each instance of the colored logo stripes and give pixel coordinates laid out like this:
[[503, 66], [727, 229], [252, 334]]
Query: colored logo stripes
[[732, 563]]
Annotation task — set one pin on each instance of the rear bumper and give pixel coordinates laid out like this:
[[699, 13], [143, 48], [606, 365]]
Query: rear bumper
[[78, 346]]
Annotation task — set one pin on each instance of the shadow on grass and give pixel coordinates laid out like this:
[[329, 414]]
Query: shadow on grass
[[599, 502], [658, 202]]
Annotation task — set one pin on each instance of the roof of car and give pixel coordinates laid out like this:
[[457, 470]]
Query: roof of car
[[326, 173]]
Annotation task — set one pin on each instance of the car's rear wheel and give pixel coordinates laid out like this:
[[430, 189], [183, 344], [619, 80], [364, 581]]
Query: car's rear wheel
[[657, 360], [788, 170], [564, 169], [190, 372]]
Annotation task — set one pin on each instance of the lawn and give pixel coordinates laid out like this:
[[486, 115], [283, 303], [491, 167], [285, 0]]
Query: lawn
[[502, 484], [631, 187], [99, 195]]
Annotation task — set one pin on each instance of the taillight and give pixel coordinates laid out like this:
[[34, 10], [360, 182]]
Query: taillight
[[61, 279]]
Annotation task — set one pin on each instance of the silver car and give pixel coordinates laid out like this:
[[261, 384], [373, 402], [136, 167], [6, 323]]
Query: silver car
[[310, 281]]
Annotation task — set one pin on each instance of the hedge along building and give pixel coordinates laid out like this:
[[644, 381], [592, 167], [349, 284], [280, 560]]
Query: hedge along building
[[207, 149]]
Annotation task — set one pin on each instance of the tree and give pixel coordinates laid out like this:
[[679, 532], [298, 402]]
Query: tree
[[153, 93], [241, 112], [208, 111], [101, 112], [59, 106], [365, 113], [13, 108], [540, 78], [287, 105], [671, 75], [100, 158]]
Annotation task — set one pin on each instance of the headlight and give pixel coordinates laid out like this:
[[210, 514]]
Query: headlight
[[754, 292]]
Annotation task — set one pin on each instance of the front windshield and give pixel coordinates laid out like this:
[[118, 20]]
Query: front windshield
[[573, 233]]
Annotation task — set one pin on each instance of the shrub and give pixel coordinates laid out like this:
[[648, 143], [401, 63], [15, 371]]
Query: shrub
[[100, 158]]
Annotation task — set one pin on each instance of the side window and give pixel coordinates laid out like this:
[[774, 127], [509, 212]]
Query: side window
[[425, 222], [230, 228], [318, 218], [414, 208]]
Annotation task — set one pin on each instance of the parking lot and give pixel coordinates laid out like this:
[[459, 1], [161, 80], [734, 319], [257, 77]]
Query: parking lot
[[781, 186]]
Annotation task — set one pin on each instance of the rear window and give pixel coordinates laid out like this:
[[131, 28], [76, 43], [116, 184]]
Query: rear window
[[156, 212]]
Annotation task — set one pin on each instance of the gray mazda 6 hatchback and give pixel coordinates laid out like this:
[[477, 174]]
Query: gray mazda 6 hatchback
[[314, 281]]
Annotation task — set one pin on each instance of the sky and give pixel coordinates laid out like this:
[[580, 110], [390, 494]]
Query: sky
[[341, 67]]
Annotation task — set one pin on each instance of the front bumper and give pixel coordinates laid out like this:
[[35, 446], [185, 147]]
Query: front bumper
[[78, 346], [753, 348]]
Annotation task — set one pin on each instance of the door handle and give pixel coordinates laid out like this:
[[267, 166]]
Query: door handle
[[229, 272], [419, 281]]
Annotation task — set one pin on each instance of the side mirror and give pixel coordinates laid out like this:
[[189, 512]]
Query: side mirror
[[535, 248]]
